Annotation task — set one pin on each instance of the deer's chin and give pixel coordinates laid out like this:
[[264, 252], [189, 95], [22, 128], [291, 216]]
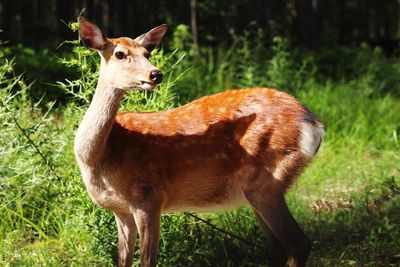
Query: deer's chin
[[148, 85], [142, 86]]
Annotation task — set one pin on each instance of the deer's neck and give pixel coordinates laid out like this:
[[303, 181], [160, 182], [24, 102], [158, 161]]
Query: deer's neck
[[94, 130]]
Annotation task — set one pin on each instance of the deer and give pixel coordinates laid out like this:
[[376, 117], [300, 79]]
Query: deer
[[238, 147]]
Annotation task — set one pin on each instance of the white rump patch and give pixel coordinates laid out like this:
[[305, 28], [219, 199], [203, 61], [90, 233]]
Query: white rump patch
[[311, 138]]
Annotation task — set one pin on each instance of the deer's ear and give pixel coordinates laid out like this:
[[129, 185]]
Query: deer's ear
[[91, 35], [152, 38]]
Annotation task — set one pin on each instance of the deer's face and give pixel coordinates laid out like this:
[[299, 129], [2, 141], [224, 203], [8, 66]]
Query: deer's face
[[125, 65], [124, 61]]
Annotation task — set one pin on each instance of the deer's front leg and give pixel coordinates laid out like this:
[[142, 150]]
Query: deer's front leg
[[126, 238], [148, 223]]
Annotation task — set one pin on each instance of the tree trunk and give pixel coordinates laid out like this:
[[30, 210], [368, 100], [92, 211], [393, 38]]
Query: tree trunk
[[306, 24], [193, 21]]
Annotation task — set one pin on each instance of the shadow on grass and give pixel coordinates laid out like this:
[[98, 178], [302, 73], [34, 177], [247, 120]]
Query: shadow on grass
[[365, 233]]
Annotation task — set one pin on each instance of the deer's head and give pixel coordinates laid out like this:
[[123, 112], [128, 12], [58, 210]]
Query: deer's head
[[124, 61]]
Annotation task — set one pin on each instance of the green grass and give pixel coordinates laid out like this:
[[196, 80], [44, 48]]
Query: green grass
[[347, 200]]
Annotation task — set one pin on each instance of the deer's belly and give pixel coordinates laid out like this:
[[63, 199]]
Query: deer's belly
[[209, 195], [210, 206]]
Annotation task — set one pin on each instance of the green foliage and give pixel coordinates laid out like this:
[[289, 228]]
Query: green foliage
[[280, 68], [40, 67], [181, 38], [347, 200], [29, 149]]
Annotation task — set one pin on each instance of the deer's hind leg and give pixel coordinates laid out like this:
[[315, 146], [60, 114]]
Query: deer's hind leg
[[266, 196], [277, 252]]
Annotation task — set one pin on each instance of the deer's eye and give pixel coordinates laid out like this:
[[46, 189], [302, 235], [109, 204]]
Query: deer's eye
[[119, 55]]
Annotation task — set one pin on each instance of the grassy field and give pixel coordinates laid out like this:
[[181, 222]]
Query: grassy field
[[347, 200]]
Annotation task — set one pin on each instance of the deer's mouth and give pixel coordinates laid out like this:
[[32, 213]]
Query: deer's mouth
[[147, 85]]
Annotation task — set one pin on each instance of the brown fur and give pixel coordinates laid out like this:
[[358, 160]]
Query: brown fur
[[210, 137]]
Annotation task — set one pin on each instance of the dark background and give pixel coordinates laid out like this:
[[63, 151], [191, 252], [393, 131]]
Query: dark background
[[309, 24]]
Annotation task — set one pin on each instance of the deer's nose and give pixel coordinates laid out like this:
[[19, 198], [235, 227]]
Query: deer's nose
[[156, 76]]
